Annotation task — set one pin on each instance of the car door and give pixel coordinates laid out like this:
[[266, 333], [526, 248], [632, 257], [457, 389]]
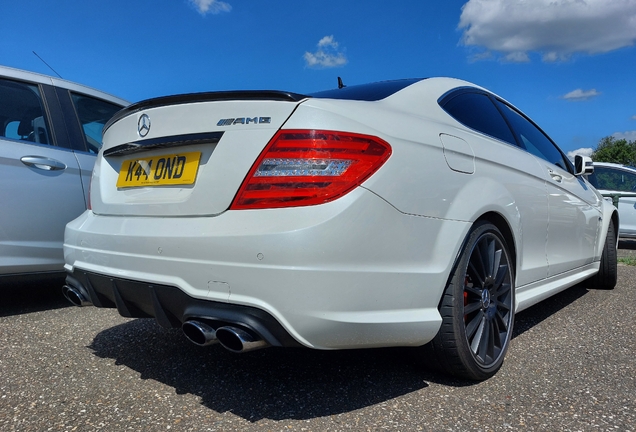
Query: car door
[[574, 221], [84, 117], [573, 215], [505, 162], [40, 186]]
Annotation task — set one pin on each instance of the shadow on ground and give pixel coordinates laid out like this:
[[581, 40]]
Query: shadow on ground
[[273, 383], [26, 297], [626, 245], [278, 383]]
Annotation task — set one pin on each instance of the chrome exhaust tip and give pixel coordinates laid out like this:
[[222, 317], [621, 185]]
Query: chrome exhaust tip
[[75, 296], [199, 333], [239, 341]]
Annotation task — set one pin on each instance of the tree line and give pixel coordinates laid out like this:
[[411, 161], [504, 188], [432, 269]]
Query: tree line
[[614, 150]]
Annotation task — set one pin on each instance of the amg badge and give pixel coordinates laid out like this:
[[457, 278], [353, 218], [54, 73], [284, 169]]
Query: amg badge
[[243, 120]]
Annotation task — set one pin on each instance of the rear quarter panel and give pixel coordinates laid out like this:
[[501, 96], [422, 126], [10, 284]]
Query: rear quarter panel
[[417, 180]]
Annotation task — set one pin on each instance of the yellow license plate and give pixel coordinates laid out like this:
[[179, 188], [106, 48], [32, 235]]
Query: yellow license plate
[[172, 169]]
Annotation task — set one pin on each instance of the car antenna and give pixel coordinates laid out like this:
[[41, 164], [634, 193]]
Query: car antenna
[[340, 83], [36, 54]]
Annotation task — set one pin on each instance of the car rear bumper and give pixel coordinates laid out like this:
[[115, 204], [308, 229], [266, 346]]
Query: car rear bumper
[[352, 273], [171, 307]]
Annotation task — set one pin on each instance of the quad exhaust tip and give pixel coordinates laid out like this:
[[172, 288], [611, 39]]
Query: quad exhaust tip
[[237, 340], [231, 338], [199, 333], [75, 296]]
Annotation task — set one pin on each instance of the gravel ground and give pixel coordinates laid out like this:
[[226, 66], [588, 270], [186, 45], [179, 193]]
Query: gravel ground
[[571, 367]]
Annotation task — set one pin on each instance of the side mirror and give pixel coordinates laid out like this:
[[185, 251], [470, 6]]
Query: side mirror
[[583, 165]]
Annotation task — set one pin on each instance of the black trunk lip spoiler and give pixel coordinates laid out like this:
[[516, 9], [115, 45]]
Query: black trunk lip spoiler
[[234, 95]]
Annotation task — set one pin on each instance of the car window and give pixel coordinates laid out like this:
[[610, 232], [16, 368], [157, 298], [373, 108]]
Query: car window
[[93, 114], [532, 138], [366, 92], [477, 111], [22, 114], [614, 179]]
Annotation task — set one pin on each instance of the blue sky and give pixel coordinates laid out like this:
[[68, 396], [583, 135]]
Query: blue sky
[[569, 64]]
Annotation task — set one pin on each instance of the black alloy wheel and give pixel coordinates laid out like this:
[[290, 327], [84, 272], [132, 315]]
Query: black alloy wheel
[[477, 308]]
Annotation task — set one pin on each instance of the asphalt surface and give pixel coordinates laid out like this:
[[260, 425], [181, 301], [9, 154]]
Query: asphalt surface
[[571, 367]]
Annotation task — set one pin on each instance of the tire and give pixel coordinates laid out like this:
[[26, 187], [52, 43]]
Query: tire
[[607, 275], [477, 308]]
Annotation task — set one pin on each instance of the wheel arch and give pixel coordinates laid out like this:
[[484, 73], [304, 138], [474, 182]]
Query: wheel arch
[[504, 227], [609, 213]]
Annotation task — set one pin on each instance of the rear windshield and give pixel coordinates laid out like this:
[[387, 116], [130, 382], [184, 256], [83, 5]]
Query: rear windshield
[[367, 92]]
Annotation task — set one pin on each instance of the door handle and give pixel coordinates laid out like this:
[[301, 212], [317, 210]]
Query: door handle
[[556, 177], [43, 163]]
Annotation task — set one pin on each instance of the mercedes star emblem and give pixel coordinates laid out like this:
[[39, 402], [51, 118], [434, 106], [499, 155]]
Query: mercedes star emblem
[[143, 125]]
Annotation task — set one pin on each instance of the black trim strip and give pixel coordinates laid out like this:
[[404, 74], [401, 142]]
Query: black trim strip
[[238, 95], [162, 142], [171, 307]]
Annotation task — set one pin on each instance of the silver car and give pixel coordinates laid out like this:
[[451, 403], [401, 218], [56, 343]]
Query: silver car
[[50, 134], [617, 179]]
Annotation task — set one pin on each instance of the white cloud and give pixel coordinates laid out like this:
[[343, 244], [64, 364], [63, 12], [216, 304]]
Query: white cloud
[[634, 117], [555, 28], [327, 55], [517, 57], [581, 95], [205, 7], [629, 135], [328, 41], [585, 151]]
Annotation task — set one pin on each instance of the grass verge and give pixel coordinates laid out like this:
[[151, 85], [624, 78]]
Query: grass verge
[[627, 261]]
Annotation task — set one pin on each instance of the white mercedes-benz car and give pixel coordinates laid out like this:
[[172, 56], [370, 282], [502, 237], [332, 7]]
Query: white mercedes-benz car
[[421, 213]]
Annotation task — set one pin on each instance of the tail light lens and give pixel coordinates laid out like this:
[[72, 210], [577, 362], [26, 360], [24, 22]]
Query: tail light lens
[[309, 167]]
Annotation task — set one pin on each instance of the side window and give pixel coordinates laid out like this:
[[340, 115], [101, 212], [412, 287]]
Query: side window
[[614, 179], [22, 116], [93, 114], [477, 111], [533, 139]]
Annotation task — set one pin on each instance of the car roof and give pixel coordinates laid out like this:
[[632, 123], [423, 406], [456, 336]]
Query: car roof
[[12, 73], [391, 89], [615, 165]]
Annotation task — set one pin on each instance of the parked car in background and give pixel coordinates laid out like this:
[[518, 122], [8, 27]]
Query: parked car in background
[[421, 213], [50, 134], [611, 178]]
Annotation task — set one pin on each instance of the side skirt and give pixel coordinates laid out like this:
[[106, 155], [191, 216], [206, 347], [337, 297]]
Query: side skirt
[[531, 294]]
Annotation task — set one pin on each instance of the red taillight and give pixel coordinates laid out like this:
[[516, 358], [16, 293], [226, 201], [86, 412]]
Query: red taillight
[[308, 167]]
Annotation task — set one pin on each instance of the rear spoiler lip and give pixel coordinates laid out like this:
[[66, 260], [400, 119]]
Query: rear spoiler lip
[[234, 95]]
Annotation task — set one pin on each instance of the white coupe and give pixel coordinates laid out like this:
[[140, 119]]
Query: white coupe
[[419, 213]]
